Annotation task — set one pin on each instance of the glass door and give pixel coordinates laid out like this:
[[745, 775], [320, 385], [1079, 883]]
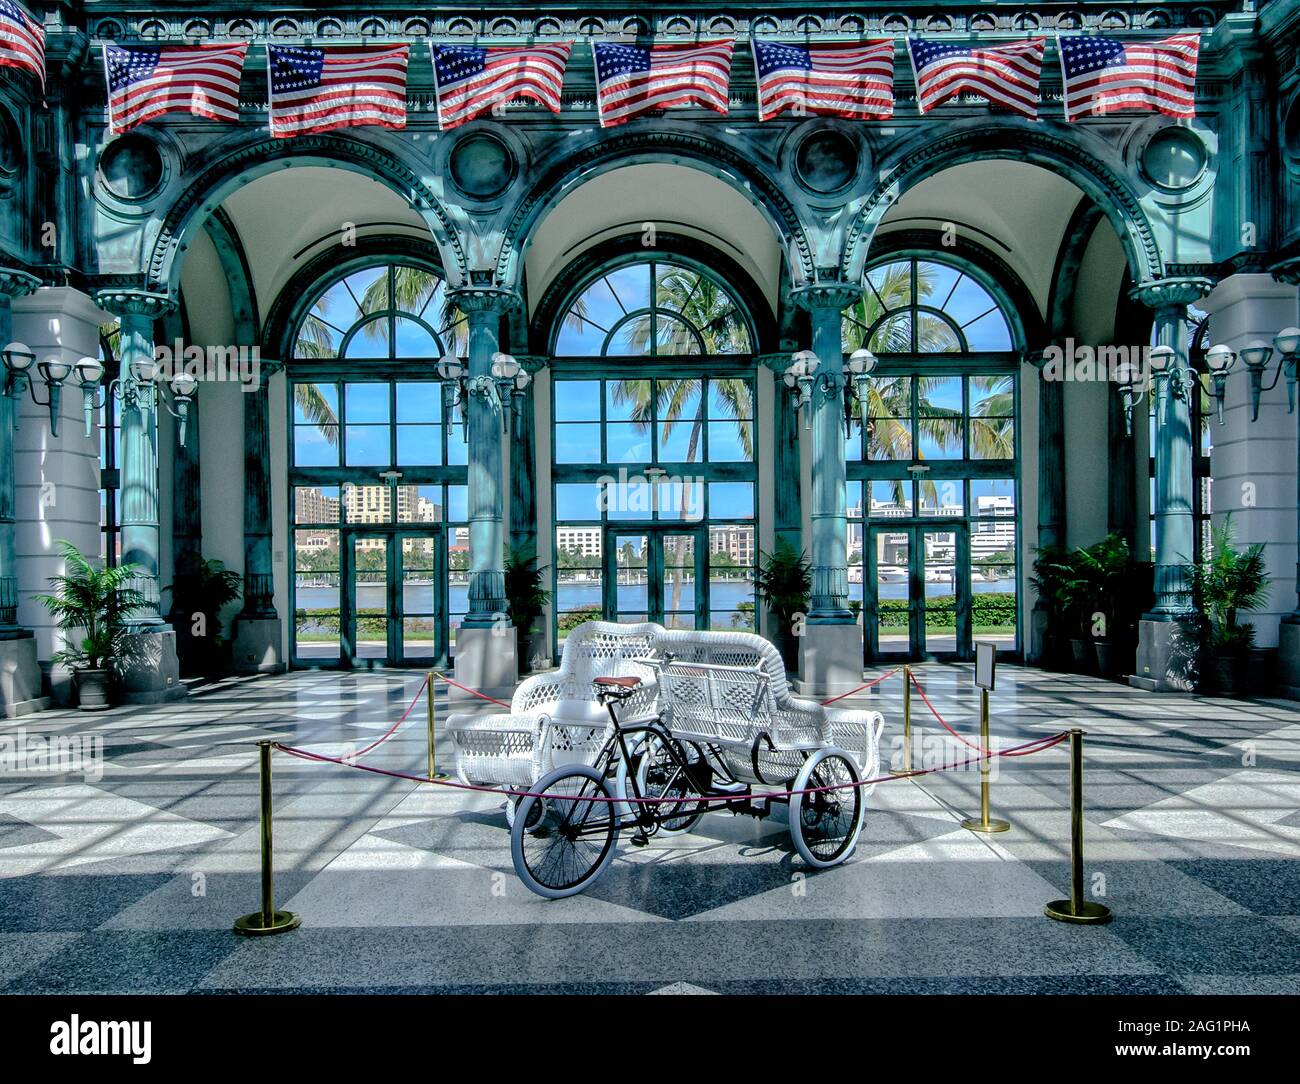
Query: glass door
[[420, 627], [367, 619], [654, 574], [916, 595]]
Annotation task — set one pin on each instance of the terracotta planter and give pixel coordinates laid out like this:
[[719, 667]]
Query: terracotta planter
[[92, 689]]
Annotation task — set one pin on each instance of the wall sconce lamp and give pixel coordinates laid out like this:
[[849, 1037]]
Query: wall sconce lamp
[[1257, 355], [857, 384], [511, 381], [1219, 359], [18, 363], [1132, 388], [143, 391], [799, 378], [504, 389]]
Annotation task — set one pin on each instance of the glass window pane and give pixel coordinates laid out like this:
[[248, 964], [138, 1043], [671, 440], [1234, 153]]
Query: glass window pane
[[370, 340], [992, 438], [993, 497], [629, 442], [458, 503], [939, 396], [989, 332], [577, 443], [414, 340], [316, 504], [942, 497], [418, 401], [366, 403], [581, 500], [627, 400], [367, 503], [934, 335], [731, 500], [993, 396], [731, 442], [316, 445], [419, 444], [891, 498], [940, 438], [367, 446], [315, 403], [577, 400], [679, 499], [419, 504], [853, 499], [891, 284]]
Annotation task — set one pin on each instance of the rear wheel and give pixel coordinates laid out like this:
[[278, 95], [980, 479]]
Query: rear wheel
[[825, 824], [560, 851]]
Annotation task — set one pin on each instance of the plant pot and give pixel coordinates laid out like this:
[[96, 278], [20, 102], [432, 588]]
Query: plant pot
[[1105, 657], [528, 645], [1085, 659], [92, 689], [1227, 674]]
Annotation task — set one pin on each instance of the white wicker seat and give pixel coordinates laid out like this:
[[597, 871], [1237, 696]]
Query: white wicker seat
[[554, 718], [729, 690]]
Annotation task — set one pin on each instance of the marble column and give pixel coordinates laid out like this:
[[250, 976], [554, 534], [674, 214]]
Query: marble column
[[1288, 643], [831, 656], [1051, 486], [523, 487], [150, 673], [486, 652], [1167, 653], [20, 673], [258, 636]]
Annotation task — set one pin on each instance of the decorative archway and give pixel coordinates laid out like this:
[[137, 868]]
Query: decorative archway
[[674, 146], [210, 185], [1069, 157]]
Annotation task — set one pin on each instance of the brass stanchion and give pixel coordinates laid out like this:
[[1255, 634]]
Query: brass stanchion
[[432, 720], [907, 718], [1076, 908], [985, 823], [268, 919]]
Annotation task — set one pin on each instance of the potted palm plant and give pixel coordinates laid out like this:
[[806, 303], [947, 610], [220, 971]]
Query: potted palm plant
[[1102, 570], [1219, 587], [784, 583], [526, 600], [96, 601], [198, 597]]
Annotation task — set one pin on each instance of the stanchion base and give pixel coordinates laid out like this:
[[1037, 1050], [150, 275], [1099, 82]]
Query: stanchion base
[[255, 925], [437, 775], [1088, 914], [994, 825]]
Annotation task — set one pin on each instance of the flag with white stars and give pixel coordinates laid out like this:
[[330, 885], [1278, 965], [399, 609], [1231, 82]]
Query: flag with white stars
[[636, 79], [832, 80], [315, 89], [1006, 76], [22, 40], [146, 81], [1104, 75], [474, 79]]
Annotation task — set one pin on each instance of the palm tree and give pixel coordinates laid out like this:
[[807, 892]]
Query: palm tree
[[992, 429]]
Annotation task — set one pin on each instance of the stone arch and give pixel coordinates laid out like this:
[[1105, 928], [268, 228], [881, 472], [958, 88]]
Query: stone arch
[[664, 146], [209, 185], [1067, 156]]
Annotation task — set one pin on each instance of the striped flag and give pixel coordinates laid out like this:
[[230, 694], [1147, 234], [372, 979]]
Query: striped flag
[[22, 40], [471, 79], [635, 79], [848, 80], [1101, 75], [146, 81], [317, 89], [1005, 75]]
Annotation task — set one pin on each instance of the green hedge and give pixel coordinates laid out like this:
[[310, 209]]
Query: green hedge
[[987, 611]]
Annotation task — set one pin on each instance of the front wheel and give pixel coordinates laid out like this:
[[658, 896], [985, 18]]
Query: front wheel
[[825, 824], [562, 850]]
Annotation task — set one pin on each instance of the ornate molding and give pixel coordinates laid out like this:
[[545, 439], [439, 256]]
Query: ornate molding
[[15, 283], [836, 295], [1021, 142], [1287, 271], [623, 147], [383, 164], [1172, 292], [135, 303], [498, 299]]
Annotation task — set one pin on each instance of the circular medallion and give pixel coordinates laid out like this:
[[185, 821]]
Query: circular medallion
[[131, 167], [481, 166], [1174, 158], [826, 161]]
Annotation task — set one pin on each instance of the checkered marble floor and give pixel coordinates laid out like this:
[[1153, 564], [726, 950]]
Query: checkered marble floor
[[129, 881]]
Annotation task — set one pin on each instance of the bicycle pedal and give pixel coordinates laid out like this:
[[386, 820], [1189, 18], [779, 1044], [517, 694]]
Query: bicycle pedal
[[640, 840]]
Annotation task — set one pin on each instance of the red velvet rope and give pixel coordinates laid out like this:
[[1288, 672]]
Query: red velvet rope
[[926, 700], [393, 729], [868, 685], [472, 692]]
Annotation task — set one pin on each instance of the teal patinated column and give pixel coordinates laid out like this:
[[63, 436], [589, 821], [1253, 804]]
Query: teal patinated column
[[484, 307], [1289, 272], [830, 656], [141, 544], [1167, 651], [523, 462], [830, 574], [259, 579], [787, 520], [12, 284], [1051, 485]]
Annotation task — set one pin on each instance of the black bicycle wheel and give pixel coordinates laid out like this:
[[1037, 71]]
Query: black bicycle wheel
[[825, 825], [562, 850], [661, 774]]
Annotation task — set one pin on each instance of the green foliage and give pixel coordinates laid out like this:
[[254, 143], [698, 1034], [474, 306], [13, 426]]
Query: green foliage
[[784, 582], [206, 590], [97, 601], [1078, 584], [525, 596], [569, 621], [1220, 586], [988, 610]]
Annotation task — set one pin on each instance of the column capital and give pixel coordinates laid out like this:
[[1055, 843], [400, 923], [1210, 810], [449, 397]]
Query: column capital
[[827, 295], [532, 363], [267, 368], [1171, 292], [778, 362], [1287, 271], [15, 283], [496, 299], [134, 303]]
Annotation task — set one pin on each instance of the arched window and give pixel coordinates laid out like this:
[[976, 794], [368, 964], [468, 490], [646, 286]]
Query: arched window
[[389, 311], [653, 308], [919, 306]]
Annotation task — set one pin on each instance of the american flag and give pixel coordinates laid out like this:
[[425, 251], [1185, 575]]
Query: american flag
[[849, 80], [22, 40], [635, 79], [1006, 75], [471, 79], [314, 89], [1101, 75], [146, 81]]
